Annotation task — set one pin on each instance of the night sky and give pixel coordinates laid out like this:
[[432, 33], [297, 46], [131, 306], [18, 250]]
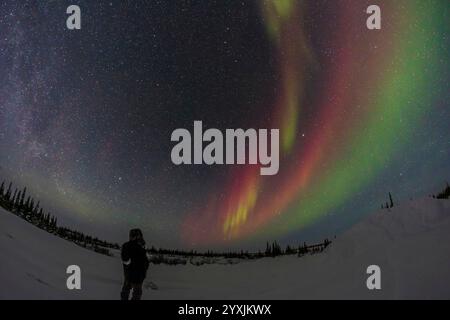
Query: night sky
[[86, 116]]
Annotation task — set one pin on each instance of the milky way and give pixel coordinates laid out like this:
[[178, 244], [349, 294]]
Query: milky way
[[86, 116]]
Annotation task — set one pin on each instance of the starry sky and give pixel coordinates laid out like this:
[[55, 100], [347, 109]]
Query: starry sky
[[86, 116]]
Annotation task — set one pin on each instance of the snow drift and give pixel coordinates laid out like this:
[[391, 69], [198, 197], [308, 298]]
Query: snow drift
[[410, 243]]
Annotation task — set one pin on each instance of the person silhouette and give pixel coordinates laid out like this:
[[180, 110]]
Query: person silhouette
[[135, 265]]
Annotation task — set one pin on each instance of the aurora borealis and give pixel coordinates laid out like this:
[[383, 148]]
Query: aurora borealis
[[86, 116]]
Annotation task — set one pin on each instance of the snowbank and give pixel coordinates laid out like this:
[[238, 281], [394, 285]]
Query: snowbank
[[411, 244]]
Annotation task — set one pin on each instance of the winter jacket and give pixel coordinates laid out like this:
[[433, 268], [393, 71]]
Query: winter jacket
[[135, 262]]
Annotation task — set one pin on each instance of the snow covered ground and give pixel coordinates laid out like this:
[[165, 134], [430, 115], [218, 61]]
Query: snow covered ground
[[411, 244]]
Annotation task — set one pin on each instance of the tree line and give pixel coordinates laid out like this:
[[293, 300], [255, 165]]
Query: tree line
[[25, 207], [445, 194], [272, 250]]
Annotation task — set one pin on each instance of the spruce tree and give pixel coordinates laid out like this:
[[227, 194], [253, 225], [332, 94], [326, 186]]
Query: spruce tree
[[8, 193], [31, 207], [36, 209], [13, 200], [391, 201], [268, 251], [22, 199], [2, 189], [17, 201], [27, 205]]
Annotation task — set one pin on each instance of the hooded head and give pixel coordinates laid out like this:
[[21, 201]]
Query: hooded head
[[136, 235]]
